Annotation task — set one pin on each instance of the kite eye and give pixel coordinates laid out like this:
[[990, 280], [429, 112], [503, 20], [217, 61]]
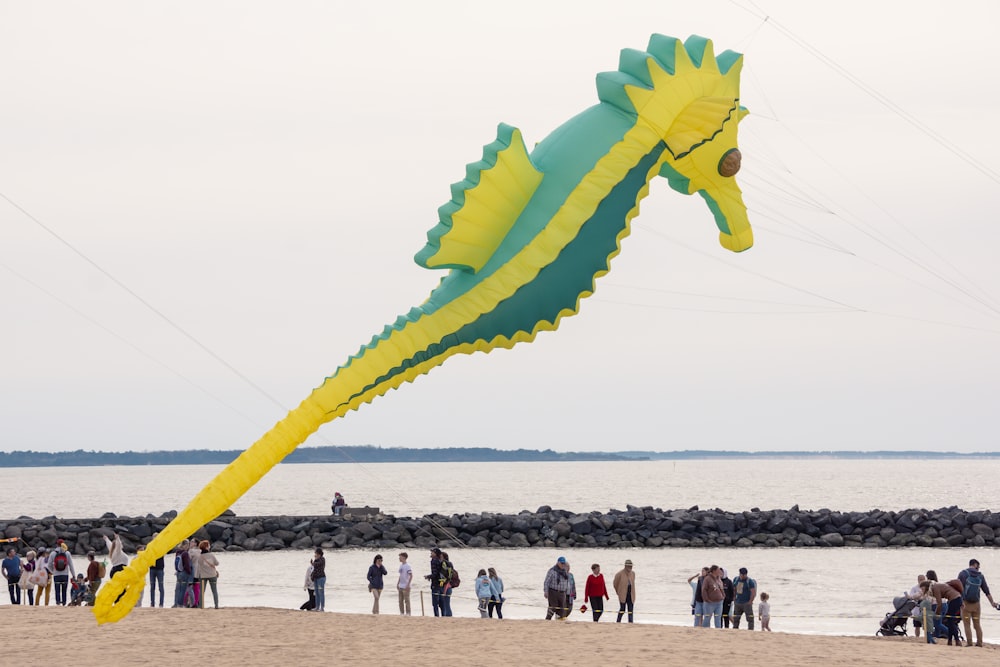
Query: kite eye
[[729, 165]]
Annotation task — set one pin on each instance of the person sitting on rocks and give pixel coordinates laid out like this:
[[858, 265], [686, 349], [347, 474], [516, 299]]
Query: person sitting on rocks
[[337, 506]]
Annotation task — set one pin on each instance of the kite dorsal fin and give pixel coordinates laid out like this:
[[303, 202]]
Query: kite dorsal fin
[[484, 206]]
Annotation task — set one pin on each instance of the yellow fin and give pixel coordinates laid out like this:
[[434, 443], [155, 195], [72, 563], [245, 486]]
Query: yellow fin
[[484, 206]]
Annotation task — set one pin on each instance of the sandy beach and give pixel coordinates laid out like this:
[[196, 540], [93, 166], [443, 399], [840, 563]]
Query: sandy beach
[[259, 636]]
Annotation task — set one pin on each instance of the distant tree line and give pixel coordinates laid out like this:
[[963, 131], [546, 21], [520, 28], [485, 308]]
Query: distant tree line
[[352, 454], [373, 454]]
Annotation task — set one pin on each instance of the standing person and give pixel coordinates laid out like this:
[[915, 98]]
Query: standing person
[[319, 579], [727, 602], [208, 572], [624, 585], [93, 575], [596, 591], [194, 555], [182, 568], [116, 554], [43, 576], [447, 584], [11, 568], [375, 585], [744, 593], [404, 584], [29, 565], [917, 595], [554, 589], [973, 586], [950, 612], [62, 571], [496, 603], [156, 578], [712, 594], [435, 578], [309, 586], [485, 591], [697, 602], [764, 612]]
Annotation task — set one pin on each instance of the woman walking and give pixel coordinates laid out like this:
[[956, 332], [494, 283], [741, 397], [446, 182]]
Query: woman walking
[[375, 573], [596, 591], [496, 603]]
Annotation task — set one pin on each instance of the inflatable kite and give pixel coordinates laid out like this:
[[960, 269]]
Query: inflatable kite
[[524, 237]]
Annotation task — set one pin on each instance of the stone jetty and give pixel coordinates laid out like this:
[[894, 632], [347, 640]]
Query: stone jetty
[[546, 527]]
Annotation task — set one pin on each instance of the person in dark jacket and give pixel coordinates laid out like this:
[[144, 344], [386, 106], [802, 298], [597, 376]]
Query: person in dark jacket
[[435, 579], [375, 584], [319, 579], [727, 602]]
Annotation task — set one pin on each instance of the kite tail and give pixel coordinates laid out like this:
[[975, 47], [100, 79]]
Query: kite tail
[[117, 598]]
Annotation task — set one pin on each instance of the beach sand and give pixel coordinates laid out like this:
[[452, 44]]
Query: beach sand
[[259, 636]]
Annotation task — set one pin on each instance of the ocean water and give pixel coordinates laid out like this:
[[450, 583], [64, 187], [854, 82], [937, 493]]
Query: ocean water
[[823, 591]]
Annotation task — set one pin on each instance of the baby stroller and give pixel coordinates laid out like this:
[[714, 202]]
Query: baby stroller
[[894, 623]]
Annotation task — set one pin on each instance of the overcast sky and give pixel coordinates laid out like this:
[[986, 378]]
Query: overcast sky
[[259, 175]]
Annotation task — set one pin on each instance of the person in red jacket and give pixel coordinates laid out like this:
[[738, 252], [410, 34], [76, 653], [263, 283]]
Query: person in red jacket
[[596, 591]]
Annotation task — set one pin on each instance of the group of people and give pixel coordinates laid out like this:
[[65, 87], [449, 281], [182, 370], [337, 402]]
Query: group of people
[[30, 580], [942, 604], [196, 569], [716, 597], [559, 589], [443, 579]]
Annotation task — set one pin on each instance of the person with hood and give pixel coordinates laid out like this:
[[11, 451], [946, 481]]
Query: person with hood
[[624, 585], [485, 591], [555, 589], [337, 506]]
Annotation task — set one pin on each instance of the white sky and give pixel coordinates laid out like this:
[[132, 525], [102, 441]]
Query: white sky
[[262, 173]]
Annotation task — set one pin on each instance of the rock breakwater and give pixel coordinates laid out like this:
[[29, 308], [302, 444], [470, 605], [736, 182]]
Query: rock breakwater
[[646, 527]]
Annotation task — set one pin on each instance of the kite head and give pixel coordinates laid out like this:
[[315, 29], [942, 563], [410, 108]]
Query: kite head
[[690, 100]]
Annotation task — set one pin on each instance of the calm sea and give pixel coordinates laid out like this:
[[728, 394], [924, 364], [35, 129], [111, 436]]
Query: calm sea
[[825, 591]]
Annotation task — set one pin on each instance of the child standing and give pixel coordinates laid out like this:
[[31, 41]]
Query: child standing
[[764, 612]]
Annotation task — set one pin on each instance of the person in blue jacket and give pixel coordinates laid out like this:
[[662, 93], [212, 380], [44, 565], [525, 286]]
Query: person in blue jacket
[[485, 589]]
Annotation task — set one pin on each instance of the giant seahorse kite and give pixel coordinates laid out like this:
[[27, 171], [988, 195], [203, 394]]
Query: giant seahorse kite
[[525, 236]]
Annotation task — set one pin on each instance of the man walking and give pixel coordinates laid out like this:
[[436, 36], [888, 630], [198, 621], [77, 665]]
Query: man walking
[[624, 585], [973, 586], [555, 589], [744, 593]]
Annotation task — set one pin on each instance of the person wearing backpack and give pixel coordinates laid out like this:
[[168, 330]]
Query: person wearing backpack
[[450, 580], [62, 569], [973, 586]]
